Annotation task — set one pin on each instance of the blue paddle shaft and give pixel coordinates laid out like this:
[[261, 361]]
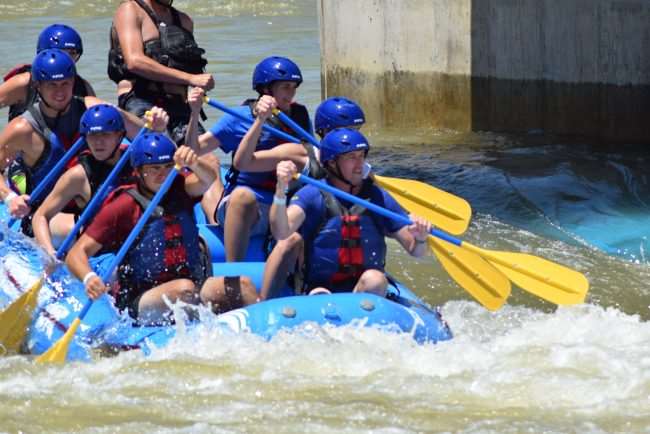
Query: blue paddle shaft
[[54, 173], [278, 133], [133, 235], [56, 170], [97, 200], [297, 128], [375, 208]]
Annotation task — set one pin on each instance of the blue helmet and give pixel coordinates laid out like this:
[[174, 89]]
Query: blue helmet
[[341, 141], [101, 118], [337, 112], [52, 64], [152, 148], [59, 36], [275, 68]]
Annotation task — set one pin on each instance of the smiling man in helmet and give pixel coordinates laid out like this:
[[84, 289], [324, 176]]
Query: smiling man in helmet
[[32, 143], [345, 247], [16, 91]]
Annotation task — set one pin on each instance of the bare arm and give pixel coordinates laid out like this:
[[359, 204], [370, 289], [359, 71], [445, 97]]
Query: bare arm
[[195, 100], [72, 184], [284, 220], [202, 174], [246, 158], [15, 137], [78, 263], [207, 143], [267, 160], [14, 90]]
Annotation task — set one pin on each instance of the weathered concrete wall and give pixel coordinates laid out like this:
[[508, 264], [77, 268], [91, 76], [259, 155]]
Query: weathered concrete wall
[[563, 66]]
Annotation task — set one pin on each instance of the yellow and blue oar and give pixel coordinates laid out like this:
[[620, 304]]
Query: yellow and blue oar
[[447, 211], [59, 351], [14, 320], [486, 274]]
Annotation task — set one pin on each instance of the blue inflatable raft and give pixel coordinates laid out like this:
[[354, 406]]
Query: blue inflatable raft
[[63, 296]]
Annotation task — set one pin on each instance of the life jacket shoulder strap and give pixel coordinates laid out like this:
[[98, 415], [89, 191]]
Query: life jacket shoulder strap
[[149, 12], [43, 129], [144, 202]]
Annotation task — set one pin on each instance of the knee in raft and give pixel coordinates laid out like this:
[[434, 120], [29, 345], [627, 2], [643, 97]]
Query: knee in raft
[[373, 281], [186, 291], [244, 199]]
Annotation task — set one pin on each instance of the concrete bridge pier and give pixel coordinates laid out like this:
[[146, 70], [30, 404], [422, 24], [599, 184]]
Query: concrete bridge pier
[[574, 67]]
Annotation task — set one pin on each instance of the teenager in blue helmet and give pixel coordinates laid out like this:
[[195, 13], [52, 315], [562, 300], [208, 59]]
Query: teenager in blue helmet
[[164, 262], [16, 91], [334, 112], [243, 211], [32, 143], [103, 128], [345, 247]]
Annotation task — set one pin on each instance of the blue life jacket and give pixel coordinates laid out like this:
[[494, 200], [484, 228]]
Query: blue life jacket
[[348, 242], [167, 249]]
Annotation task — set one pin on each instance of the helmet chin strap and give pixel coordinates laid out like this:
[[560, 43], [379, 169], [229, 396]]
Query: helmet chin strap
[[338, 175], [116, 147], [167, 3]]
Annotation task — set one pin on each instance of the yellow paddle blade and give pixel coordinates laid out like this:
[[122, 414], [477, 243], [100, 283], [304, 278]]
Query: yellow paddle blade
[[14, 320], [548, 280], [59, 351], [485, 283], [445, 210]]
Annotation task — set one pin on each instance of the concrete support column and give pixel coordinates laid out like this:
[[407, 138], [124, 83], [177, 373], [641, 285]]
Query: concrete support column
[[563, 66]]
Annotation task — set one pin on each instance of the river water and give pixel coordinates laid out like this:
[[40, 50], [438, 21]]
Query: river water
[[527, 368]]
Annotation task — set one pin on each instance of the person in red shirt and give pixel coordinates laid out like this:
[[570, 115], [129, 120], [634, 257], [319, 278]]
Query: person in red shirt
[[164, 262]]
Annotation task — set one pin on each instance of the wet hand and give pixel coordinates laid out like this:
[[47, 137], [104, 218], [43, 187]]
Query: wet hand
[[285, 171], [186, 157], [265, 106], [158, 118], [18, 206], [195, 99], [204, 81], [95, 287], [420, 228]]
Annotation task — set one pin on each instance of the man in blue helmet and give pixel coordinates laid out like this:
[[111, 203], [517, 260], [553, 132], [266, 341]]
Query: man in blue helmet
[[33, 142], [103, 128], [154, 59], [164, 262], [334, 112], [345, 247], [16, 91], [243, 211]]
